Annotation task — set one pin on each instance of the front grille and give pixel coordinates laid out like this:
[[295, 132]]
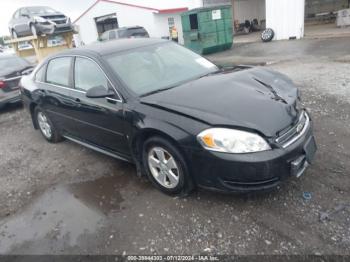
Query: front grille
[[289, 136], [63, 21], [58, 19], [53, 17]]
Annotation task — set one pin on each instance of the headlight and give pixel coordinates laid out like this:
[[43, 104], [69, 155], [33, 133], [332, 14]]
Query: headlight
[[232, 141], [39, 19]]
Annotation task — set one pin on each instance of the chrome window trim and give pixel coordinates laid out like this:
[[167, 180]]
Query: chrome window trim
[[112, 99], [64, 87], [81, 56], [302, 132]]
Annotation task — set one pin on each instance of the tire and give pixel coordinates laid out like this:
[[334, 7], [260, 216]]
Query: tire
[[33, 30], [169, 185], [52, 30], [267, 35], [14, 34], [52, 136]]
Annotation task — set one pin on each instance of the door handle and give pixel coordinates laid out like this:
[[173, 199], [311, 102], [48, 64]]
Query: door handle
[[77, 100]]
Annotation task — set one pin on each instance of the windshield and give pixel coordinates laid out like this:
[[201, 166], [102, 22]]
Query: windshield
[[41, 10], [13, 62], [147, 69]]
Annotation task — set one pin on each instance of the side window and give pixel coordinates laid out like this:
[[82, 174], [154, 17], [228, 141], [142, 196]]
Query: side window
[[112, 35], [16, 15], [87, 75], [24, 12], [39, 75], [58, 71]]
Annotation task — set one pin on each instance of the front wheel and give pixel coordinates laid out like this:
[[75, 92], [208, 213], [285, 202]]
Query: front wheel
[[166, 167], [14, 34], [46, 127], [33, 30]]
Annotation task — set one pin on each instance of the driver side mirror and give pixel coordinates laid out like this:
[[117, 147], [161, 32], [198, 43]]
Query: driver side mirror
[[99, 92]]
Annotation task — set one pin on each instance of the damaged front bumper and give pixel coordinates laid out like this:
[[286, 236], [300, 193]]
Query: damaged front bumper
[[253, 171], [49, 28]]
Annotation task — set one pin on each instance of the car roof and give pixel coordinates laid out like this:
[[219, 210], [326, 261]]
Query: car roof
[[131, 27], [114, 46], [35, 6]]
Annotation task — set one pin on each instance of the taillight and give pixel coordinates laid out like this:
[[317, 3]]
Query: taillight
[[2, 84]]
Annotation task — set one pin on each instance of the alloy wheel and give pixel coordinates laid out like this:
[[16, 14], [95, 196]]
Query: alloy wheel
[[44, 125], [163, 167]]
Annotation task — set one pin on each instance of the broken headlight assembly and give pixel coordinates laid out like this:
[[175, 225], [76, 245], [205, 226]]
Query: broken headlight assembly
[[39, 19]]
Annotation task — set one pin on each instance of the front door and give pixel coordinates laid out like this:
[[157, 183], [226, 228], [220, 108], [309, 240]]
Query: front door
[[99, 121]]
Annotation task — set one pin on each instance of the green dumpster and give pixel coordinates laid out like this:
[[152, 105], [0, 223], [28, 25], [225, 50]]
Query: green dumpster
[[208, 30]]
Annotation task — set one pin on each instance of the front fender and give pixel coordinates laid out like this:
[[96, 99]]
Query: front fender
[[180, 130]]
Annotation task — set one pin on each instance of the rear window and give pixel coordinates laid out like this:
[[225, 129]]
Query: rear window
[[13, 62], [112, 35], [133, 32], [58, 71]]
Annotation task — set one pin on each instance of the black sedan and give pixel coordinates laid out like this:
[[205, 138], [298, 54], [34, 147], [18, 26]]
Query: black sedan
[[182, 120], [11, 70]]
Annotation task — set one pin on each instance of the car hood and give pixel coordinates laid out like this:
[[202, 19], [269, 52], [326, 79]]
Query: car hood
[[257, 98], [50, 15]]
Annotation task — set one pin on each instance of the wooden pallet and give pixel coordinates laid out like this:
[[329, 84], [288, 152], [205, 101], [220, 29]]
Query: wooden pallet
[[40, 48]]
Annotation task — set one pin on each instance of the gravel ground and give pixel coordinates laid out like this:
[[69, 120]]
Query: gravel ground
[[65, 199]]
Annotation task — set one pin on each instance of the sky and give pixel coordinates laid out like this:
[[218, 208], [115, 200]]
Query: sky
[[71, 8]]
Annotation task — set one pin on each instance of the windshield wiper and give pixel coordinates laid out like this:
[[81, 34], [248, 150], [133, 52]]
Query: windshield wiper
[[170, 87], [211, 73], [158, 91]]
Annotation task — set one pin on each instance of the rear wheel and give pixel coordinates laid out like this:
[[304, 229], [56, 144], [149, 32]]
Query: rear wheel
[[166, 167], [46, 127]]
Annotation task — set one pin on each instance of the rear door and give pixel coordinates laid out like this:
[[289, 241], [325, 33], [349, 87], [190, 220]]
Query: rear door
[[99, 121], [55, 91], [23, 22], [15, 21]]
